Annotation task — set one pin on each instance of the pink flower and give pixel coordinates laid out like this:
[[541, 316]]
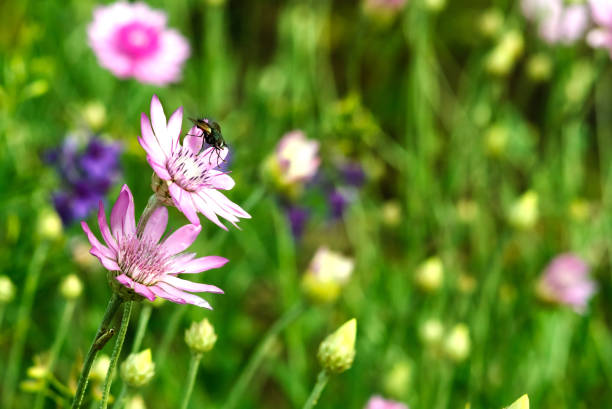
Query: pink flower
[[187, 177], [377, 402], [140, 264], [297, 157], [601, 10], [131, 40], [566, 281], [556, 22], [391, 5]]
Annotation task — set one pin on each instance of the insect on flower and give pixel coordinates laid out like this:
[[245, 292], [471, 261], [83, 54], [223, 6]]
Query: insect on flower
[[211, 132]]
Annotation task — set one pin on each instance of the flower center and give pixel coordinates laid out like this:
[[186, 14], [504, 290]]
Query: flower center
[[188, 170], [137, 40], [142, 260]]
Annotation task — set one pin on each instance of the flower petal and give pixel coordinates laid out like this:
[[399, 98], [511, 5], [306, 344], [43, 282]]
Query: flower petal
[[160, 292], [156, 225], [190, 286], [159, 170], [106, 233], [158, 120], [144, 291], [95, 243], [194, 140], [220, 180], [106, 262], [149, 142], [174, 127], [203, 264], [187, 297], [223, 201], [181, 238], [206, 210], [182, 200]]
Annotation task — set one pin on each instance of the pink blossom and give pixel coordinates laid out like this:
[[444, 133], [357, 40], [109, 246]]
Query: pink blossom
[[141, 264], [131, 40], [566, 281], [601, 10], [297, 157], [391, 5], [377, 402], [187, 178], [557, 23]]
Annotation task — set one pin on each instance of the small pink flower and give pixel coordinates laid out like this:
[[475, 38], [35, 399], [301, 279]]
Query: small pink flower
[[556, 22], [131, 40], [189, 177], [377, 402], [141, 264], [566, 281], [389, 5], [297, 157], [601, 10]]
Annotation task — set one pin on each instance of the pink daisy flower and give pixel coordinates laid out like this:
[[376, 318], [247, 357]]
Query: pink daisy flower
[[601, 10], [131, 40], [377, 402], [557, 22], [184, 176], [140, 264]]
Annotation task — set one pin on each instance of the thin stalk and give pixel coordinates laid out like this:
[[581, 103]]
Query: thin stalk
[[96, 345], [145, 314], [316, 391], [60, 336], [23, 323], [169, 334], [125, 320], [194, 364], [260, 352], [2, 309]]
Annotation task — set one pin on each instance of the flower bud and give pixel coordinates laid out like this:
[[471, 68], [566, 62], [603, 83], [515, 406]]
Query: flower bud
[[524, 212], [580, 210], [392, 213], [135, 402], [431, 331], [7, 290], [327, 274], [49, 225], [38, 371], [430, 274], [100, 368], [138, 369], [94, 114], [201, 337], [457, 343], [396, 381], [491, 22], [496, 139], [467, 210], [32, 385], [502, 58], [435, 6], [71, 288], [539, 68], [337, 351], [520, 403]]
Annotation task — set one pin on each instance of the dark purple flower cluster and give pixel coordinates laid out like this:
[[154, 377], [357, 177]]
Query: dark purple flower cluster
[[87, 175]]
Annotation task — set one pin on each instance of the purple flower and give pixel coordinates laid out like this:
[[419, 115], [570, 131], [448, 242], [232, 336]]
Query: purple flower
[[298, 217], [131, 40], [143, 265], [99, 158], [566, 281], [353, 174], [377, 402], [337, 203]]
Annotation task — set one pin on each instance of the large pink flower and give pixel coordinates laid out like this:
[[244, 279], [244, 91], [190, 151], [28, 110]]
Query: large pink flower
[[144, 265], [131, 40], [189, 177]]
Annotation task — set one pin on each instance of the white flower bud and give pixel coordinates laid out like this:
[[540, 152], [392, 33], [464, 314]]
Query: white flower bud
[[337, 351], [327, 274], [7, 290], [135, 402], [49, 225], [431, 331], [520, 403], [201, 337], [524, 212], [100, 368], [457, 343], [71, 288], [430, 274], [138, 368]]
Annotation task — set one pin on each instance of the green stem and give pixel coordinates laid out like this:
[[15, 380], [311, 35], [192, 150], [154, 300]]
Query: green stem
[[2, 309], [260, 352], [145, 314], [60, 336], [316, 391], [125, 320], [194, 364], [23, 323], [113, 305], [169, 334]]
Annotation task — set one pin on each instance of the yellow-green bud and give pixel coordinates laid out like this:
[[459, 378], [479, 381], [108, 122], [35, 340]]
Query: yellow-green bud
[[457, 343], [32, 385], [7, 290], [201, 337], [337, 351], [539, 67], [138, 369], [524, 212], [502, 58], [327, 274], [49, 225], [71, 288], [431, 332], [580, 210], [396, 381], [520, 403], [435, 6], [100, 368], [491, 22], [392, 213], [430, 274], [135, 402], [94, 114], [37, 371], [496, 139]]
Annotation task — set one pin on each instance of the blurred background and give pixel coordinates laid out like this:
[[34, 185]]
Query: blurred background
[[460, 176]]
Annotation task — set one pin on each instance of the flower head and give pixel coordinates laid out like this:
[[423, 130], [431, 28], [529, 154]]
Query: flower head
[[296, 159], [377, 402], [183, 175], [566, 281], [138, 368], [201, 337], [7, 290], [601, 10], [131, 40], [557, 23], [141, 265], [327, 274], [520, 403], [457, 343], [337, 351]]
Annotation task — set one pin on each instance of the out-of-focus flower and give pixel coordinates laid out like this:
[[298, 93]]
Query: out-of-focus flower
[[496, 139], [557, 22], [337, 351], [132, 40], [327, 274], [397, 380], [201, 337], [87, 176], [392, 213], [80, 254], [524, 212], [467, 210], [94, 114], [135, 402], [520, 403], [491, 22], [430, 274], [138, 369], [377, 402], [506, 53], [431, 331], [566, 280], [338, 200], [539, 67], [353, 174], [7, 290], [466, 283], [601, 11], [184, 176], [71, 288], [580, 210], [100, 368], [140, 265], [298, 217], [383, 6], [49, 225], [435, 6], [457, 343]]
